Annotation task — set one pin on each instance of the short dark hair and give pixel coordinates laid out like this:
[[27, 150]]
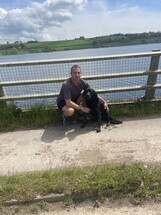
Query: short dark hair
[[75, 67]]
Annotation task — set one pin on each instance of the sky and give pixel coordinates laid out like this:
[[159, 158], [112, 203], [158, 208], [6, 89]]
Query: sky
[[52, 20]]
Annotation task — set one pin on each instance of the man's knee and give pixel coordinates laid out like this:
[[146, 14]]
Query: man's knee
[[68, 111]]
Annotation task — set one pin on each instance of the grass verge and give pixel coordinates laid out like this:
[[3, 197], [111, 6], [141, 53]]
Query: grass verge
[[13, 118], [135, 181]]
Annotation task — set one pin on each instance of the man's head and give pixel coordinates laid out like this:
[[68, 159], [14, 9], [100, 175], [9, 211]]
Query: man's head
[[76, 73]]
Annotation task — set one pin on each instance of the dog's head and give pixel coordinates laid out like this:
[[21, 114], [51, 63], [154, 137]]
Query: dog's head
[[90, 97]]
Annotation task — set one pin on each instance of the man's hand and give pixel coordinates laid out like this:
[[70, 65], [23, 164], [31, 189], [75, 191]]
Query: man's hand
[[106, 107], [86, 109]]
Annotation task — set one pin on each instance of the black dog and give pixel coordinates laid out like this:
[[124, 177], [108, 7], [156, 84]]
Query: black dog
[[98, 110]]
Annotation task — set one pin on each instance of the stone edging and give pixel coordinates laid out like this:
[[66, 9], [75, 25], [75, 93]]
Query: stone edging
[[48, 198]]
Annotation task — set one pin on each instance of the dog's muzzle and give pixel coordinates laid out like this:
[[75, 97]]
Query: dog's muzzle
[[88, 95]]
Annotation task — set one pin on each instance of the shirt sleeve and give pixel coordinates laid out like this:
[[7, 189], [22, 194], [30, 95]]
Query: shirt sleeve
[[85, 84], [66, 91]]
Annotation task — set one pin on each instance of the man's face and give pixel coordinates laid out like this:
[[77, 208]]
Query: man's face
[[76, 74]]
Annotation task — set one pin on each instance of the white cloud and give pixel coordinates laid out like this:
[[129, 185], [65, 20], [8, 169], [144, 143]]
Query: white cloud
[[2, 13], [31, 22], [68, 19], [122, 19]]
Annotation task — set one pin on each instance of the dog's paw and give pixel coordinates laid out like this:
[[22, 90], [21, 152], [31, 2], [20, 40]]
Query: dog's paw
[[83, 126], [98, 130], [107, 124]]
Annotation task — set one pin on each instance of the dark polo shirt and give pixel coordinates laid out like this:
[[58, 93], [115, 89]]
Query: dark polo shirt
[[70, 91]]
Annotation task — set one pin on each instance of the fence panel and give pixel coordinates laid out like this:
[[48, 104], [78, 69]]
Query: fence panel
[[118, 78]]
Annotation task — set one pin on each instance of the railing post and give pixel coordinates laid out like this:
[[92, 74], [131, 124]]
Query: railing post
[[152, 77], [2, 103]]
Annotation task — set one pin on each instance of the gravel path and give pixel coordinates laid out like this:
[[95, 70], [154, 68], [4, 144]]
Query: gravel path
[[136, 140], [109, 209]]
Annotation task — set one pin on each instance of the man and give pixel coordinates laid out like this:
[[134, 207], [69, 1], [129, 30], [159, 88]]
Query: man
[[69, 98], [70, 92]]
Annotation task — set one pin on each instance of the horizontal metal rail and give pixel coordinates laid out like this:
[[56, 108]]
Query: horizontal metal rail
[[82, 59], [109, 90], [31, 96], [94, 77]]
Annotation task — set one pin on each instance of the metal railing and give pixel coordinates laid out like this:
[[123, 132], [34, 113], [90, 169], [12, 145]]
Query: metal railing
[[114, 67]]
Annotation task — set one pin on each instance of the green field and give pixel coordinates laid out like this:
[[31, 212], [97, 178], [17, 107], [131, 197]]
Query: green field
[[49, 46], [19, 47]]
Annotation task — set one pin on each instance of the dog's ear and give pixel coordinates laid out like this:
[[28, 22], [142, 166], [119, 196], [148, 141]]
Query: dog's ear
[[94, 93]]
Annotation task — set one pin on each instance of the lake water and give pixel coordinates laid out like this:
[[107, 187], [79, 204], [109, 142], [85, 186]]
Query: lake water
[[82, 53], [9, 75]]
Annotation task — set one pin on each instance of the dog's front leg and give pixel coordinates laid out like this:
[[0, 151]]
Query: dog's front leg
[[84, 124], [99, 119]]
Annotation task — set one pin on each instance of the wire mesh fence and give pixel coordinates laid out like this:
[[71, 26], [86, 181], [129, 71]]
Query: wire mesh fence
[[120, 78]]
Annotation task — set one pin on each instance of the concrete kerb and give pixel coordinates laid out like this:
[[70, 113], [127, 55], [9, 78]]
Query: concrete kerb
[[49, 198], [54, 198]]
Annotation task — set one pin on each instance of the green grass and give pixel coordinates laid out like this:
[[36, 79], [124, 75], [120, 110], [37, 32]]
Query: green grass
[[135, 181], [38, 116], [137, 109], [49, 46], [13, 118]]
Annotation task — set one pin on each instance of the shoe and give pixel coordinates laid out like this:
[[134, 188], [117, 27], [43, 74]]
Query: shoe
[[66, 120]]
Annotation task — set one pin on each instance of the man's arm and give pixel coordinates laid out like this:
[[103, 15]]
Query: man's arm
[[105, 104], [80, 99], [75, 106]]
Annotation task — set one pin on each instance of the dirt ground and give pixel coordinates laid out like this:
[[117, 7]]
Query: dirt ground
[[136, 140], [108, 208], [119, 207]]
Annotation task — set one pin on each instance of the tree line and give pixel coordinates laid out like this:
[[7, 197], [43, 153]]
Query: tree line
[[127, 39]]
